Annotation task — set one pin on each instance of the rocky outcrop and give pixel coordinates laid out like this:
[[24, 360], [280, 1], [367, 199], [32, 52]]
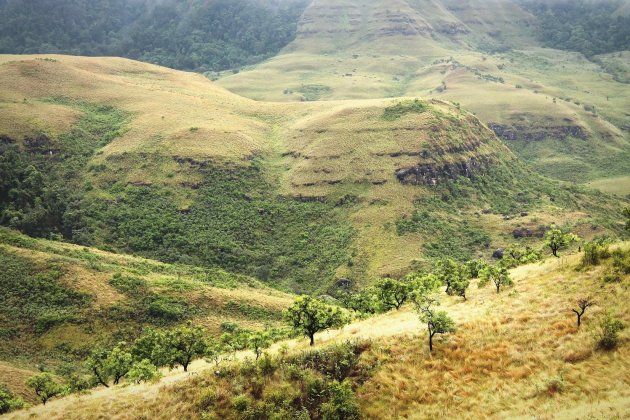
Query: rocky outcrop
[[521, 132], [433, 173]]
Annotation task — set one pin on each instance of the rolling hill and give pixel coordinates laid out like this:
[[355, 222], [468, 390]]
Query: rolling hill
[[384, 138], [165, 164], [556, 109]]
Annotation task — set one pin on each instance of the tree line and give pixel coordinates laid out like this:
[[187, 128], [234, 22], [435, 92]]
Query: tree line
[[193, 35], [589, 27]]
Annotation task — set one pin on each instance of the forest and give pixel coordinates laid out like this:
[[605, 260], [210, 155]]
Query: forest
[[192, 35], [585, 26]]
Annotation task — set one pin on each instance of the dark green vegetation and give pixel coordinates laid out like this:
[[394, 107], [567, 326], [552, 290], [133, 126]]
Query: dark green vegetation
[[315, 384], [9, 402], [505, 189], [237, 222], [401, 108], [195, 35], [589, 27], [34, 296], [41, 185], [59, 301]]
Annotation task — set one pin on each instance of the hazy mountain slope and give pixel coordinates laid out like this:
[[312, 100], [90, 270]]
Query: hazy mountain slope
[[557, 110], [295, 194], [516, 354]]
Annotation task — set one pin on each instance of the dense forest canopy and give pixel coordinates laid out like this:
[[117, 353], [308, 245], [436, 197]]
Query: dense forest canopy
[[198, 35], [589, 27]]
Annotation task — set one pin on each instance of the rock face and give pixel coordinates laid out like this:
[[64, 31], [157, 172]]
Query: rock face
[[433, 173], [522, 132]]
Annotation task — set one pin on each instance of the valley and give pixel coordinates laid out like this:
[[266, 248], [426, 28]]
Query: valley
[[428, 190]]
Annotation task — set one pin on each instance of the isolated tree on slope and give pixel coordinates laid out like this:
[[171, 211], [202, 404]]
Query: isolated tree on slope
[[309, 316], [184, 344], [259, 341], [438, 322], [498, 275], [44, 386], [556, 239], [583, 304]]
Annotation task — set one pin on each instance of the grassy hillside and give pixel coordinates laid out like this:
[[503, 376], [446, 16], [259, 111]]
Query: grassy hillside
[[557, 110], [169, 166], [60, 300], [516, 354]]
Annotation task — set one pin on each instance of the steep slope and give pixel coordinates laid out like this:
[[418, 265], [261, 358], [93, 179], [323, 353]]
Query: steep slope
[[140, 159], [516, 354], [60, 300], [557, 110]]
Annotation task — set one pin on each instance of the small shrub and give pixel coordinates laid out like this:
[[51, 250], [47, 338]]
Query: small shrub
[[342, 404], [207, 398], [553, 386], [608, 334], [8, 402], [241, 403], [143, 371], [611, 276]]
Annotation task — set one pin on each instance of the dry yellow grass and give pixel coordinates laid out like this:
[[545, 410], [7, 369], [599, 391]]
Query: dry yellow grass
[[517, 354]]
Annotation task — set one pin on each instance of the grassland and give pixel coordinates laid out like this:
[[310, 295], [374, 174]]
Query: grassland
[[59, 300], [516, 354], [443, 50], [295, 194]]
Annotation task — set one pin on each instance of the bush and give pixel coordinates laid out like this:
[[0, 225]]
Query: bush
[[8, 402], [143, 371], [242, 403], [342, 404], [608, 334], [128, 285]]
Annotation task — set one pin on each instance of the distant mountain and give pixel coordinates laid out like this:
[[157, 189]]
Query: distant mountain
[[560, 111]]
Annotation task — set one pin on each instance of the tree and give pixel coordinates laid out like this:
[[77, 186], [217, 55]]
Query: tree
[[459, 287], [626, 213], [259, 341], [8, 402], [364, 301], [475, 266], [450, 272], [309, 316], [583, 303], [44, 386], [556, 239], [118, 363], [498, 275], [153, 347], [97, 365], [143, 371], [184, 344], [438, 322], [106, 365], [392, 293]]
